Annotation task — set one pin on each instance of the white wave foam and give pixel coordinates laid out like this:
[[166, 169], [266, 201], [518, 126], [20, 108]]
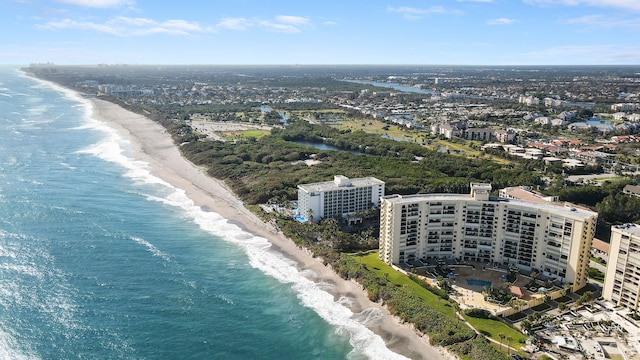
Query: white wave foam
[[116, 149], [312, 295], [67, 165], [4, 252], [309, 274], [152, 249], [113, 149], [21, 269], [363, 340], [37, 110], [30, 282], [68, 93], [10, 347], [225, 299], [346, 301], [369, 316], [83, 103]]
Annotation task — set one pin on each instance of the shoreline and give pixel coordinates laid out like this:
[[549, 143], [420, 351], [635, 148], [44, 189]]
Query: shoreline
[[152, 144]]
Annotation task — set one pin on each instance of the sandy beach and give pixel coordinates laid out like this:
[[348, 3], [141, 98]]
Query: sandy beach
[[152, 144]]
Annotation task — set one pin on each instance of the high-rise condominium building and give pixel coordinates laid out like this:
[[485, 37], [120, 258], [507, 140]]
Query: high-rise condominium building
[[552, 238], [339, 197], [622, 280]]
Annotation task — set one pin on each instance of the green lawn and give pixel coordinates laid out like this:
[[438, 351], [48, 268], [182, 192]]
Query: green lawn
[[236, 135], [255, 133], [378, 127], [493, 329], [397, 278], [468, 151], [596, 274], [598, 260], [490, 328]]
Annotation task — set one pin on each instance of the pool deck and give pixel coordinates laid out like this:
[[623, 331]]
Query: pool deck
[[470, 296]]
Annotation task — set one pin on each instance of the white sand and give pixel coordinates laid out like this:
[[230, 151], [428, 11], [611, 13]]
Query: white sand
[[152, 144]]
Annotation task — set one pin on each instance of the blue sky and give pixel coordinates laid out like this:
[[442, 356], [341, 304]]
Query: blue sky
[[431, 32]]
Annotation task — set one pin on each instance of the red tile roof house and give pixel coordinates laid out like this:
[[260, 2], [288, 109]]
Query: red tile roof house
[[517, 291], [600, 249]]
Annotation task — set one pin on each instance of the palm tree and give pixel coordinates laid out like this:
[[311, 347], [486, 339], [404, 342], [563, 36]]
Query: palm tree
[[562, 307], [501, 336], [509, 345], [516, 304]]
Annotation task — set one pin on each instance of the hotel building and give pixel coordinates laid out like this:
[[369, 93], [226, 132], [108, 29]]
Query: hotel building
[[552, 238], [622, 280], [340, 197]]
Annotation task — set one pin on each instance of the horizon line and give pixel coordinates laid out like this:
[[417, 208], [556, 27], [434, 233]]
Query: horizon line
[[305, 65]]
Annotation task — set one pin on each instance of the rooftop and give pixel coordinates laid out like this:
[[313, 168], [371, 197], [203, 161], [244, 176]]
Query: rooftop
[[600, 245], [633, 229], [632, 188], [564, 209], [340, 182]]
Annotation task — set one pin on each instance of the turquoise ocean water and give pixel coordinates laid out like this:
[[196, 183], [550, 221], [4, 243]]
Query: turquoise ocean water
[[101, 260]]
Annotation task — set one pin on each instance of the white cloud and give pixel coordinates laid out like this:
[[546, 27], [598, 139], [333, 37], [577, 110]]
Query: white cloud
[[603, 54], [131, 26], [627, 55], [621, 4], [417, 13], [281, 23], [81, 25], [235, 24], [126, 26], [100, 3], [279, 27], [601, 21], [292, 20], [501, 21], [570, 50]]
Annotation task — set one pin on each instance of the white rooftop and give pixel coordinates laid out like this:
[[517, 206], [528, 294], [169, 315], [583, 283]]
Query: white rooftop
[[340, 182], [630, 228], [557, 208]]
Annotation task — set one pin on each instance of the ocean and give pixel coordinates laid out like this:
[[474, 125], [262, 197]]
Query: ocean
[[101, 260]]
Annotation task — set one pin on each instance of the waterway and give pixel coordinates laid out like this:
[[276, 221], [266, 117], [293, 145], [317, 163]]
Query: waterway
[[284, 119], [323, 146]]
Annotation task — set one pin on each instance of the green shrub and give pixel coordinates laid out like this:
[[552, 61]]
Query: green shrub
[[479, 313]]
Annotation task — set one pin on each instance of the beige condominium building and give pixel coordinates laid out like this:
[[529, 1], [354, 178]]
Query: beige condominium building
[[551, 238], [622, 280], [340, 197]]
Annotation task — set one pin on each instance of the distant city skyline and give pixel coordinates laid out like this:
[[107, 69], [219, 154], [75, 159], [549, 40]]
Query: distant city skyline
[[432, 32]]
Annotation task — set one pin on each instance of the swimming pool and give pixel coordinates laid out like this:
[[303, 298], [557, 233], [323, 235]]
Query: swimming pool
[[477, 282]]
